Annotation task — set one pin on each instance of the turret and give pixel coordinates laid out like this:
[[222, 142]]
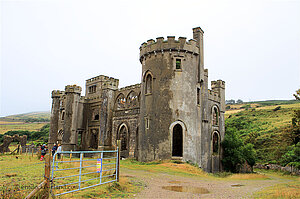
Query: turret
[[219, 87], [56, 98], [169, 74], [69, 139]]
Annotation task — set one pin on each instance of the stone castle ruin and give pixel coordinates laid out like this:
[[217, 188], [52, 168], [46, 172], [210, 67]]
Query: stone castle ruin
[[171, 113]]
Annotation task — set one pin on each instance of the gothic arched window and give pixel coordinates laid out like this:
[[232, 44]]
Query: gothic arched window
[[120, 102], [215, 143], [148, 84], [132, 99], [215, 116]]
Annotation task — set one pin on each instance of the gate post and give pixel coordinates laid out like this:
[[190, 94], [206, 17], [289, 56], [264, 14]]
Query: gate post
[[118, 159], [47, 173]]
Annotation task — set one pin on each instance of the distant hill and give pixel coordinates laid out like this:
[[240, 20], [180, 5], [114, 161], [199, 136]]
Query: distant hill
[[28, 117], [33, 121]]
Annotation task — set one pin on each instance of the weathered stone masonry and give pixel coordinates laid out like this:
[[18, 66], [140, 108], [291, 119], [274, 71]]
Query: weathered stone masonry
[[172, 113]]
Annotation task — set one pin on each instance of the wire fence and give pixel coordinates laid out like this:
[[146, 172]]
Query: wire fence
[[19, 175]]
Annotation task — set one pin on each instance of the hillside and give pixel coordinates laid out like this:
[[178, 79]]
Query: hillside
[[264, 124], [33, 121], [28, 117]]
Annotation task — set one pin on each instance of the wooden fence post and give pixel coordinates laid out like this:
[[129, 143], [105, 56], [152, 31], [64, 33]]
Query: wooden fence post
[[47, 173], [118, 159], [70, 156]]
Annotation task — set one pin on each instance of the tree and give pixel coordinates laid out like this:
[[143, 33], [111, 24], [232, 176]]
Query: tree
[[296, 121], [236, 153], [230, 101], [297, 95], [239, 101]]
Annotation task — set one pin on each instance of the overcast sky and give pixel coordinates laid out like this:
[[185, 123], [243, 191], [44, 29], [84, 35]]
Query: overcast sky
[[254, 46]]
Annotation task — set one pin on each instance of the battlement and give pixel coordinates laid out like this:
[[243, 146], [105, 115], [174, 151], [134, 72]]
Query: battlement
[[169, 45], [73, 89], [131, 87], [105, 82], [101, 78], [57, 93], [213, 95], [218, 84]]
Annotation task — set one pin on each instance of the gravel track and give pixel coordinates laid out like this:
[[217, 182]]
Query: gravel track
[[218, 188]]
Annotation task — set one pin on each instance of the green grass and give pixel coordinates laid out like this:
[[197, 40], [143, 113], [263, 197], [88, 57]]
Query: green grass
[[264, 127], [18, 177], [28, 117], [13, 126]]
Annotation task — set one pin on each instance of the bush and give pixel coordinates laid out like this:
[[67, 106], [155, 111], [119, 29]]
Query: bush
[[292, 155], [236, 153]]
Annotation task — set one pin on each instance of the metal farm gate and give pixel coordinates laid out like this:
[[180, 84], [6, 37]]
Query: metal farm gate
[[78, 170]]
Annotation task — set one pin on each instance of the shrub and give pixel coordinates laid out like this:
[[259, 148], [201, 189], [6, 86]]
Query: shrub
[[236, 152]]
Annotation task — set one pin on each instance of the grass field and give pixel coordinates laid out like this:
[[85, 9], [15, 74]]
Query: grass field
[[288, 190], [24, 122], [25, 116], [18, 177], [16, 126]]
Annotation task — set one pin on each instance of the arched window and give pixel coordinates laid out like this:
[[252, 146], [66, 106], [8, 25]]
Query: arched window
[[60, 135], [215, 116], [132, 99], [148, 84], [215, 143], [120, 102]]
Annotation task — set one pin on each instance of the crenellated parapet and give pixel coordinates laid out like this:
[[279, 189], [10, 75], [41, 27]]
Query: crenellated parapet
[[57, 93], [168, 46], [131, 87], [73, 89], [103, 82], [217, 84]]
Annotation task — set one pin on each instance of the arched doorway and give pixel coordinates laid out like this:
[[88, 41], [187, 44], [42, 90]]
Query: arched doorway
[[123, 136], [177, 141]]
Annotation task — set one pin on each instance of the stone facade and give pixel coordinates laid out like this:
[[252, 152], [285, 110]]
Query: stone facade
[[172, 113]]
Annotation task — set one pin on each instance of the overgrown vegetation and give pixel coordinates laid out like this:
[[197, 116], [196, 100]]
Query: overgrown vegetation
[[236, 152], [272, 131]]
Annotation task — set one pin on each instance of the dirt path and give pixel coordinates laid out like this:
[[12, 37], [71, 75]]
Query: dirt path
[[217, 188]]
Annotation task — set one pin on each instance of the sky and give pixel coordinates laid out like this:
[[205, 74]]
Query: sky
[[254, 46]]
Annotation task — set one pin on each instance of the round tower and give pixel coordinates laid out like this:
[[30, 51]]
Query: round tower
[[170, 74]]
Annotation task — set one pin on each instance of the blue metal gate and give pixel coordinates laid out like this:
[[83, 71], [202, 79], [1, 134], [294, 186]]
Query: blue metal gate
[[78, 170]]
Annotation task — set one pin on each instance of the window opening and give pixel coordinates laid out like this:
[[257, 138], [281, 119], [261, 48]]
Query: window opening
[[198, 95], [63, 115], [215, 143], [178, 63], [96, 117], [215, 116]]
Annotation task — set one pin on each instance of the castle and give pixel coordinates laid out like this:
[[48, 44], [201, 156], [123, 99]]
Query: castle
[[170, 114]]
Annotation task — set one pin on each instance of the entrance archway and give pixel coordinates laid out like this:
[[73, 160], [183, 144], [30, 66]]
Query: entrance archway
[[177, 141], [123, 136]]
